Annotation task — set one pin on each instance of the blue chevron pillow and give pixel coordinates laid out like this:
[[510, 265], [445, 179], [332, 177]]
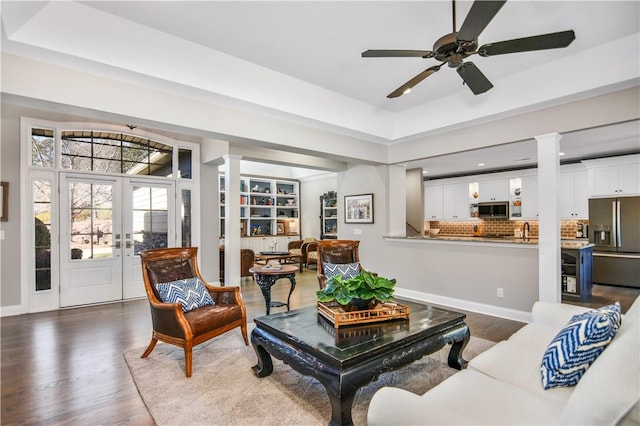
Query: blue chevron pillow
[[578, 344], [190, 293], [347, 270]]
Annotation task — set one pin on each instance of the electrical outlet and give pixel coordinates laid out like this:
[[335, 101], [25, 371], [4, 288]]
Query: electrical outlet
[[357, 231], [500, 292]]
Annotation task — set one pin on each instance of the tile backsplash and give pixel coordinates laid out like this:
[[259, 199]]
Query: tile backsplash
[[568, 228]]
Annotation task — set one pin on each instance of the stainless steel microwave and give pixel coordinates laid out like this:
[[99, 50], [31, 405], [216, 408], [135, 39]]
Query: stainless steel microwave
[[496, 209]]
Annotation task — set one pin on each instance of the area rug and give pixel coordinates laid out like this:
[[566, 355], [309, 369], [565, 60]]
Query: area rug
[[224, 391]]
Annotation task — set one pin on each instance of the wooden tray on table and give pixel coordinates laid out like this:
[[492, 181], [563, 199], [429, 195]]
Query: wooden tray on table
[[333, 312]]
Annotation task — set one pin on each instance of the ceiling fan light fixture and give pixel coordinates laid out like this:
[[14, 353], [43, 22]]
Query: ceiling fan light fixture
[[407, 90]]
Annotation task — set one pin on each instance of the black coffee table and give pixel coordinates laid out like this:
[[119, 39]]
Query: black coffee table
[[348, 358]]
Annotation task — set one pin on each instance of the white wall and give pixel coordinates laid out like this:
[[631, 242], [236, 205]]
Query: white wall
[[465, 276], [311, 189]]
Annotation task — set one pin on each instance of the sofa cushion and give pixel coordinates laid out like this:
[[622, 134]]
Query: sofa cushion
[[519, 365], [578, 345], [191, 293], [347, 270], [610, 389], [467, 397]]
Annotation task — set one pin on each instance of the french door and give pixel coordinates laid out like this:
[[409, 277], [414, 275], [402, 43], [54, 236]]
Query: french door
[[105, 222]]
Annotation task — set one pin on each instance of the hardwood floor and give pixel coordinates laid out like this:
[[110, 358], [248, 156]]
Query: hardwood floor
[[67, 367]]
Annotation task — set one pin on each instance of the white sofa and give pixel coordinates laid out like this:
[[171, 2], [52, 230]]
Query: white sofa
[[503, 384]]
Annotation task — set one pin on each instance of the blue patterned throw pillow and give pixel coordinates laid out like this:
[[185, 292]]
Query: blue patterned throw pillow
[[578, 344], [190, 293], [347, 270]]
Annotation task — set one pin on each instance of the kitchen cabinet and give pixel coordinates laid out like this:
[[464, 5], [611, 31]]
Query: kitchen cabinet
[[523, 198], [616, 176], [455, 201], [267, 206], [493, 190], [433, 202], [573, 198]]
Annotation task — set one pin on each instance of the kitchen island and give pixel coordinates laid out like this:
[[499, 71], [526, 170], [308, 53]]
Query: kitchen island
[[497, 276]]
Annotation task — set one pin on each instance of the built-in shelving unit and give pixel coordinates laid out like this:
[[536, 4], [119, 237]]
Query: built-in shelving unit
[[329, 216], [268, 207]]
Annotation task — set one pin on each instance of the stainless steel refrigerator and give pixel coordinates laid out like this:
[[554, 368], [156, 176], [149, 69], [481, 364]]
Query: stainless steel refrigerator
[[614, 229]]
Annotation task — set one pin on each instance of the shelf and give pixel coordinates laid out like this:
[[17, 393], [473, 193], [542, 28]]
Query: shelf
[[259, 198]]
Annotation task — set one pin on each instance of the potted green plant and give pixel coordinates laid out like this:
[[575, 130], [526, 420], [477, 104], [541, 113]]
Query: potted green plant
[[363, 291]]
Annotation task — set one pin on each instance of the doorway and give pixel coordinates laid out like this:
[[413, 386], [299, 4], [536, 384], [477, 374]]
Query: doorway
[[105, 222]]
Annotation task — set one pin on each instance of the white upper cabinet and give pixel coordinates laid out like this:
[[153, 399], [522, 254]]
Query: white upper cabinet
[[455, 201], [523, 198], [494, 190], [433, 202], [574, 200], [613, 177]]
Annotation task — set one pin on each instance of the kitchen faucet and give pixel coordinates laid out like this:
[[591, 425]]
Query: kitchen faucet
[[525, 230]]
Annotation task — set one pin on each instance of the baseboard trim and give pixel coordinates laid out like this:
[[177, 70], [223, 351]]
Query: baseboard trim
[[9, 311], [481, 308]]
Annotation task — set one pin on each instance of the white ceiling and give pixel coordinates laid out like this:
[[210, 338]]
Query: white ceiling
[[301, 59], [320, 42]]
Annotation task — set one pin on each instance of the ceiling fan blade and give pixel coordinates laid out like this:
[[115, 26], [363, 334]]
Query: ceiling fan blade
[[474, 78], [397, 54], [527, 44], [480, 14], [414, 81]]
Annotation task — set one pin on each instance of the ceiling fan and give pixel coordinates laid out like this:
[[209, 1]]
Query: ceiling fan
[[452, 49]]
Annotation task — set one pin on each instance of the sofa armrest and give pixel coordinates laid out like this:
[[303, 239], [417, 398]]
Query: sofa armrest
[[555, 314]]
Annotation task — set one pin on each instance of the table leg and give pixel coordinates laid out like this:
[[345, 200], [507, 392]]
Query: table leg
[[265, 282], [292, 278], [461, 339], [264, 367]]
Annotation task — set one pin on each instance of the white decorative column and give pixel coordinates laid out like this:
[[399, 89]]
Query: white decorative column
[[397, 210], [232, 242], [549, 270]]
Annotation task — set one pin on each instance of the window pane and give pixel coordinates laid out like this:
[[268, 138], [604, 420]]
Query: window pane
[[108, 166], [42, 148], [42, 232], [184, 163], [110, 152], [161, 164], [186, 217]]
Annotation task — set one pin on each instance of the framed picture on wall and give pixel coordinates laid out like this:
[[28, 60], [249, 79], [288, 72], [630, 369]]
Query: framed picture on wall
[[281, 228], [358, 208]]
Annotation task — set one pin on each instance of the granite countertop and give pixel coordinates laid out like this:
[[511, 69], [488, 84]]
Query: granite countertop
[[570, 244]]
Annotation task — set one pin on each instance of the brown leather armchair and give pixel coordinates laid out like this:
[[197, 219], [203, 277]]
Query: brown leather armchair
[[188, 329], [335, 251], [247, 260]]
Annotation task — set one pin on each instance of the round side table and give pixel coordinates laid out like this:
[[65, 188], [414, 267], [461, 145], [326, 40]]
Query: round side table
[[266, 277]]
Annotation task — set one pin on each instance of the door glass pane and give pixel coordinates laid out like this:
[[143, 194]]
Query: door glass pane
[[185, 217], [150, 218], [42, 232], [91, 220]]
